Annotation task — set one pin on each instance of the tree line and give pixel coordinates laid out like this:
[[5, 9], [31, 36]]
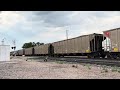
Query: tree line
[[31, 44]]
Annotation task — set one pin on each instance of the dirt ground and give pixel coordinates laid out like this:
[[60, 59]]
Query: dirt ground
[[21, 69]]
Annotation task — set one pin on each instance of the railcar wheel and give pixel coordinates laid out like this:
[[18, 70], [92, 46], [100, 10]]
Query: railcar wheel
[[90, 56], [115, 56], [109, 56], [103, 56]]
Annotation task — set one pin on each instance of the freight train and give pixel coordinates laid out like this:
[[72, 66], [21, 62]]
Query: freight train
[[85, 45]]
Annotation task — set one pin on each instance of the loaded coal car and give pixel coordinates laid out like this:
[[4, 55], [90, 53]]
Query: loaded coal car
[[16, 52], [86, 45], [41, 50], [29, 51], [21, 52], [114, 44]]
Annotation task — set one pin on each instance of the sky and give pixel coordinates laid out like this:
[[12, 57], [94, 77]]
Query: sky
[[51, 26]]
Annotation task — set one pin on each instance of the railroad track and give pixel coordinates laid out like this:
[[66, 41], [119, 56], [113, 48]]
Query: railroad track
[[110, 62], [90, 61]]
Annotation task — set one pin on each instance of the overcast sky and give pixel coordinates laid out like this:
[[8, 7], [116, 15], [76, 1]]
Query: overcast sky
[[51, 26]]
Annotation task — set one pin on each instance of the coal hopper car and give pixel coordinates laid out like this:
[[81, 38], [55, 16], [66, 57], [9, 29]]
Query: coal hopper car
[[86, 45], [113, 44]]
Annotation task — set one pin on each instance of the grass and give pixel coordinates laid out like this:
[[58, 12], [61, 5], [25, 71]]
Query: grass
[[116, 69], [88, 66], [113, 69], [59, 62], [104, 69]]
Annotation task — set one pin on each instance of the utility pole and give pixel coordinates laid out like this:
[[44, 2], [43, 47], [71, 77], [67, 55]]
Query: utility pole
[[67, 34], [3, 41], [14, 43], [14, 47], [67, 41]]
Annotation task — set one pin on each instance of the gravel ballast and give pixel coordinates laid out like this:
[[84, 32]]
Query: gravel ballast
[[21, 69]]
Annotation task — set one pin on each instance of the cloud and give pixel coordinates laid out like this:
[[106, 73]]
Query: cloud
[[52, 18], [51, 26], [9, 19]]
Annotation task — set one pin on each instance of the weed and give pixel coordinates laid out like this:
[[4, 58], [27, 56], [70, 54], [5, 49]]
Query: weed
[[88, 66], [114, 69], [119, 71], [74, 66], [104, 70], [84, 65], [59, 62]]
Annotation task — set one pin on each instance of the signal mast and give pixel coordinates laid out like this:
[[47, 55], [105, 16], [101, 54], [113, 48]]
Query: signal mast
[[14, 46]]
